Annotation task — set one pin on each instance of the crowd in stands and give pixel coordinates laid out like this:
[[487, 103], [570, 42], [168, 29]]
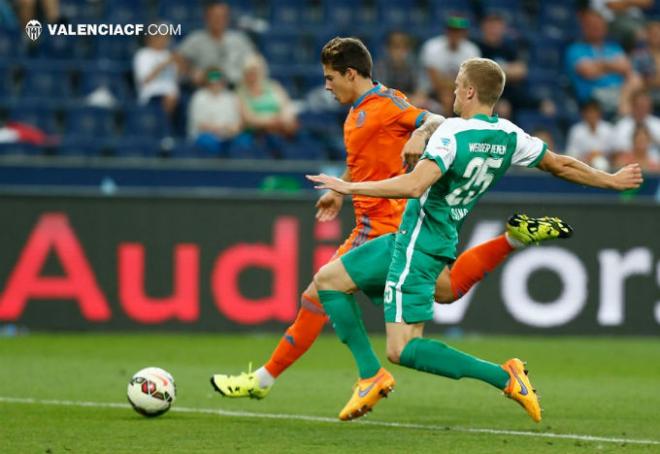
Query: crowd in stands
[[243, 80]]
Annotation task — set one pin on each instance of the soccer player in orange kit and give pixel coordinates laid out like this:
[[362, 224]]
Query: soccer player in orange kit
[[377, 135]]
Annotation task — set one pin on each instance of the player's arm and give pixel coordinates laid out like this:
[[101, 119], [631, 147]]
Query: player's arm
[[330, 203], [414, 147], [570, 169], [408, 186]]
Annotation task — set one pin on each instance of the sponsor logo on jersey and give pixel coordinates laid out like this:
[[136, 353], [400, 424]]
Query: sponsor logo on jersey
[[362, 115]]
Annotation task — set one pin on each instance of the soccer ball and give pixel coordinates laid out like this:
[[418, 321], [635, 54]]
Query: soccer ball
[[151, 391]]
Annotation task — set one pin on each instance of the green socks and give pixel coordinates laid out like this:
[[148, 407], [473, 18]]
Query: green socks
[[347, 320], [433, 356]]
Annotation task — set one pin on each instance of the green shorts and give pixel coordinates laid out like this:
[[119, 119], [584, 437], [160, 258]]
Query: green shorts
[[406, 287]]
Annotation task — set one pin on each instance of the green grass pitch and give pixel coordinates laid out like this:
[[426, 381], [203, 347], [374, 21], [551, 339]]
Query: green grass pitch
[[590, 387]]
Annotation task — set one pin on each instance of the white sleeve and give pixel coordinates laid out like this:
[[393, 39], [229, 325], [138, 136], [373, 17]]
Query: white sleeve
[[609, 139], [194, 114], [140, 66], [529, 150], [622, 136], [442, 147]]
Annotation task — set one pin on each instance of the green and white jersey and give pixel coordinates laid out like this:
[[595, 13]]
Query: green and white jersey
[[473, 155]]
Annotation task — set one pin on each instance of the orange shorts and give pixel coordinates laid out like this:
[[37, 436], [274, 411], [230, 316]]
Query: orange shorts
[[366, 229]]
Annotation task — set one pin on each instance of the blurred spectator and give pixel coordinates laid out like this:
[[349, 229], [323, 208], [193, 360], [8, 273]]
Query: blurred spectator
[[493, 45], [599, 69], [546, 136], [27, 10], [640, 115], [590, 140], [646, 61], [214, 117], [215, 46], [442, 56], [641, 152], [8, 19], [625, 19], [398, 69], [265, 104], [155, 74]]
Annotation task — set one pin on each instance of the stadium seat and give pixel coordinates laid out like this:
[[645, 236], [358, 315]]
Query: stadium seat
[[506, 6], [41, 116], [546, 53], [117, 78], [12, 43], [8, 86], [302, 150], [286, 47], [91, 122], [532, 120], [544, 83], [121, 48], [135, 146], [18, 148], [178, 12], [44, 80], [75, 145], [344, 14], [146, 121], [443, 10], [287, 13], [558, 19], [126, 12]]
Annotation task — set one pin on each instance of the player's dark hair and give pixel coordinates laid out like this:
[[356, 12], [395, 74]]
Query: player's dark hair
[[344, 53]]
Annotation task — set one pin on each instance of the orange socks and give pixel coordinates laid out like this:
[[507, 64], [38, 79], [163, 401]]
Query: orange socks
[[299, 336], [472, 265]]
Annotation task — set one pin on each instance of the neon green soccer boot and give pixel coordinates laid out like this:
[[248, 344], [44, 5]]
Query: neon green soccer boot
[[245, 384], [528, 230]]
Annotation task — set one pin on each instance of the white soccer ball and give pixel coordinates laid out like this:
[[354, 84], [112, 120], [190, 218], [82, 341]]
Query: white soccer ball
[[151, 391]]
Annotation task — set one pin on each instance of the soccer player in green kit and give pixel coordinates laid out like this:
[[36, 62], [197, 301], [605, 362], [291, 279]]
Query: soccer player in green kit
[[462, 159]]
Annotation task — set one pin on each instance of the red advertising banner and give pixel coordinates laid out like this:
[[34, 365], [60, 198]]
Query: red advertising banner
[[122, 263]]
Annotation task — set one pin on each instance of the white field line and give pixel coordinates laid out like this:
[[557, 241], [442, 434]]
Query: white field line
[[247, 414]]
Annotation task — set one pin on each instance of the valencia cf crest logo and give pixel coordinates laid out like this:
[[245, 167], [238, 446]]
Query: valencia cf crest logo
[[362, 115], [33, 29]]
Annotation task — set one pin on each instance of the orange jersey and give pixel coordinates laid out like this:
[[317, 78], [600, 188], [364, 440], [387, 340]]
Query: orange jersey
[[376, 128]]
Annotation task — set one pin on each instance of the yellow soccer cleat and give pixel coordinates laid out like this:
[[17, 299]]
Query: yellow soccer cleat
[[366, 394], [244, 385], [530, 230], [520, 388]]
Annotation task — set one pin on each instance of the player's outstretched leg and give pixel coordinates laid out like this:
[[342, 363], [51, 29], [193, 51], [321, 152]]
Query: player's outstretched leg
[[435, 357], [475, 263], [297, 339]]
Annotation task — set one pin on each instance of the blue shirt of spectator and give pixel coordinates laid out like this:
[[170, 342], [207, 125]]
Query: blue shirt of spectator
[[584, 88]]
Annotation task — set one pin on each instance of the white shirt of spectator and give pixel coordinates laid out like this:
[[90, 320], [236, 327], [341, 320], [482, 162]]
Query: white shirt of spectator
[[221, 109], [436, 54], [228, 53], [582, 140], [623, 133], [165, 83]]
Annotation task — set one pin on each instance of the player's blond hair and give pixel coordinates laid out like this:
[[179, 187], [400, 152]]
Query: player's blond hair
[[487, 78]]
